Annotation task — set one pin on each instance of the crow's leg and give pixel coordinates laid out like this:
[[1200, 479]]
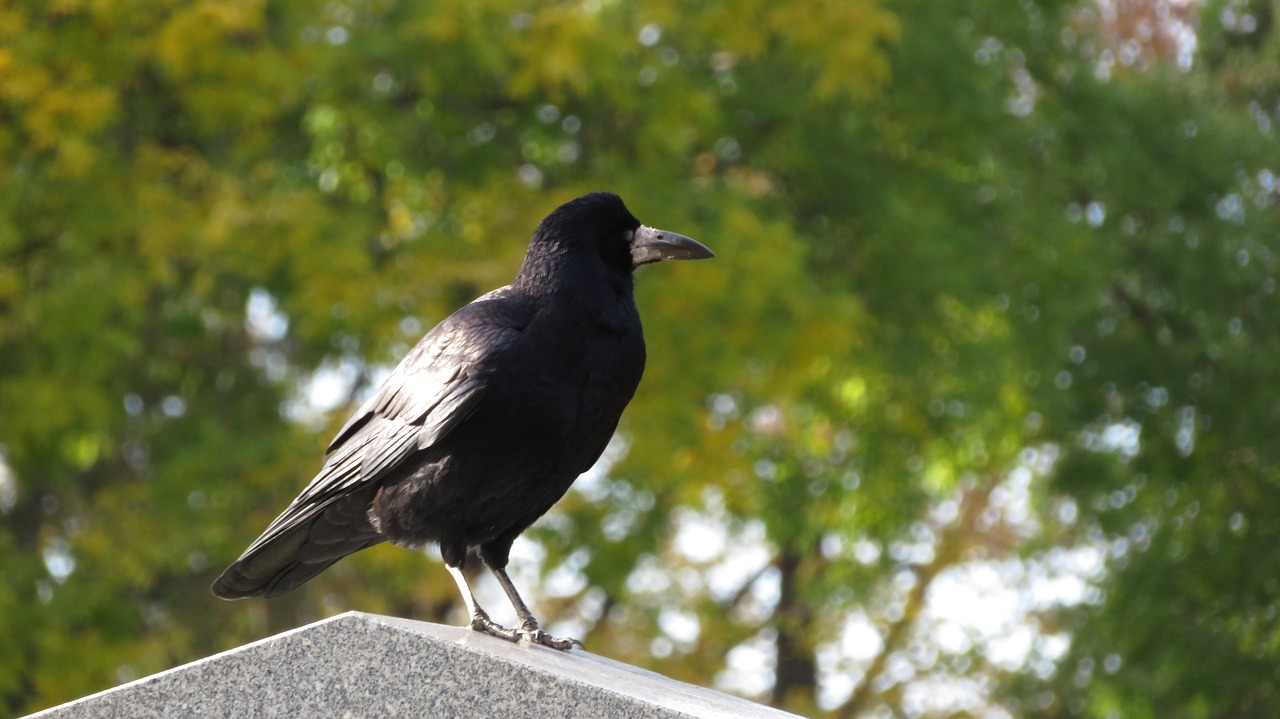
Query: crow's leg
[[480, 620], [528, 623]]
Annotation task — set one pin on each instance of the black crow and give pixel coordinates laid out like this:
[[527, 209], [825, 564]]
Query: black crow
[[487, 421]]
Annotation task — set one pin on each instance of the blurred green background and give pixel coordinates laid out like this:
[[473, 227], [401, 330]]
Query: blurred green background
[[976, 414]]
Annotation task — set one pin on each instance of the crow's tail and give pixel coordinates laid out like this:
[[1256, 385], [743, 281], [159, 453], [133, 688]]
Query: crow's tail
[[299, 544]]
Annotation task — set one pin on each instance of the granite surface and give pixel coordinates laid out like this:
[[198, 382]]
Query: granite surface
[[362, 666]]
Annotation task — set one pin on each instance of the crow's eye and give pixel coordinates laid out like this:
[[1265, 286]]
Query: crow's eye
[[628, 235]]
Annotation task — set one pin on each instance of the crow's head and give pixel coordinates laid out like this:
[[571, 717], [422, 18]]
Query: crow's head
[[599, 224]]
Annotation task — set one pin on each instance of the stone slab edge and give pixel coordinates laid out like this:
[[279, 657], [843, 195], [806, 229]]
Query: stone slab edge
[[366, 665]]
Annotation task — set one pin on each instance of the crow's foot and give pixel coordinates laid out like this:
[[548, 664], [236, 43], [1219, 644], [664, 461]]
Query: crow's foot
[[532, 633], [528, 632], [481, 622]]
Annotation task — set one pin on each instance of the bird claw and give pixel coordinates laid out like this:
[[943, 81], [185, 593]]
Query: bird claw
[[531, 633], [481, 622], [535, 635]]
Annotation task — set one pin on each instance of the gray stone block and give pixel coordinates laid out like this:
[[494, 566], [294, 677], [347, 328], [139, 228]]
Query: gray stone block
[[363, 666]]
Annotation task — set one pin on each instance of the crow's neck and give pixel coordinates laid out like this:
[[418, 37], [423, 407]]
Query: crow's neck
[[584, 279]]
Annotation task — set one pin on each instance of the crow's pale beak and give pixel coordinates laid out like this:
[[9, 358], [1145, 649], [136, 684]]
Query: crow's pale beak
[[650, 245]]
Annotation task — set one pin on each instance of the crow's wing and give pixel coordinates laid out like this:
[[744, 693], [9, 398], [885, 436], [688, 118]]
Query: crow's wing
[[436, 386]]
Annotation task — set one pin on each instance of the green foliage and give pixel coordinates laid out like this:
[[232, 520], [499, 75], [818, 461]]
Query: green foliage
[[958, 253]]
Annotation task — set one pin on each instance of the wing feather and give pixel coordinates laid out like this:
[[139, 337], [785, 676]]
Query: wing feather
[[434, 388]]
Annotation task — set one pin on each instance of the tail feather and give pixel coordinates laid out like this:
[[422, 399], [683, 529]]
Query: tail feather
[[301, 543]]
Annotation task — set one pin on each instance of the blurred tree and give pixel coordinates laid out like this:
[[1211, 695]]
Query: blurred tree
[[1174, 466], [991, 309]]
